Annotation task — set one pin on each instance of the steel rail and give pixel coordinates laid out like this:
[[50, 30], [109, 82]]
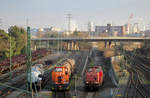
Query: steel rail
[[138, 82]]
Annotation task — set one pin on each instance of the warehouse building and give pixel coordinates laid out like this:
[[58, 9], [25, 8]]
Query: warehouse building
[[111, 30]]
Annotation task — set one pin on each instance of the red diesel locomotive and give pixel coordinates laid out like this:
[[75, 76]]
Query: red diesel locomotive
[[93, 77]]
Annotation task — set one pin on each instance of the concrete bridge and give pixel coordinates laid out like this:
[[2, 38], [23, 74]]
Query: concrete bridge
[[94, 39], [72, 45]]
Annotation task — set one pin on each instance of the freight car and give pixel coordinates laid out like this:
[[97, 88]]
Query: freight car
[[61, 75], [20, 60], [36, 77], [93, 77]]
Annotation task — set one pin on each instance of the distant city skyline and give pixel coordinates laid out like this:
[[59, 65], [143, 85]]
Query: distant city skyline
[[47, 13]]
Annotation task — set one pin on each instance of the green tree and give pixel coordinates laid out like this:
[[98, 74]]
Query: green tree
[[4, 45], [18, 35], [18, 42]]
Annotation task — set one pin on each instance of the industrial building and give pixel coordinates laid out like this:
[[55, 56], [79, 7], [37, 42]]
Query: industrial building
[[111, 30]]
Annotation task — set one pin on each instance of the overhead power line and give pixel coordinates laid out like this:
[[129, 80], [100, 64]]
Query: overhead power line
[[69, 22]]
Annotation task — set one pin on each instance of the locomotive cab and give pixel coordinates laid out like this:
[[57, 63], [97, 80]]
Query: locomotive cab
[[93, 76], [60, 77]]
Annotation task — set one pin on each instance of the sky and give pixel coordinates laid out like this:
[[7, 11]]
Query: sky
[[47, 13]]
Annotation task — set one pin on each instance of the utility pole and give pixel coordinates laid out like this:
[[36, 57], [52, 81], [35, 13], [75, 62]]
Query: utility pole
[[69, 22]]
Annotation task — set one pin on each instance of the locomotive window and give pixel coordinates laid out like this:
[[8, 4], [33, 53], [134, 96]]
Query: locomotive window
[[98, 70], [90, 70], [58, 69]]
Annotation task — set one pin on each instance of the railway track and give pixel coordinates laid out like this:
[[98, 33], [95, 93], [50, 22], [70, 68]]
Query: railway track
[[8, 90], [128, 88], [61, 94], [135, 84], [80, 59], [144, 91], [16, 83], [82, 91], [20, 60], [139, 65], [14, 74], [18, 80], [92, 94]]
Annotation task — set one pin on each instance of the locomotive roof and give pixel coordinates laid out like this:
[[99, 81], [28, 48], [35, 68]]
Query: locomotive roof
[[62, 62]]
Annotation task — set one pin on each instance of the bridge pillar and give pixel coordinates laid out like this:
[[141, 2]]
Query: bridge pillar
[[69, 45], [115, 43], [109, 44], [76, 46], [105, 44], [37, 44], [33, 46], [47, 44], [72, 45], [40, 44]]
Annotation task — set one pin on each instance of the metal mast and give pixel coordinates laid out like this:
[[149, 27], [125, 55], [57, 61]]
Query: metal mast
[[27, 22], [29, 58], [69, 22]]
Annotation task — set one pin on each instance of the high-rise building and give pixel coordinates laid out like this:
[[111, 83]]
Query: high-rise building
[[90, 26], [74, 26], [126, 28], [135, 28]]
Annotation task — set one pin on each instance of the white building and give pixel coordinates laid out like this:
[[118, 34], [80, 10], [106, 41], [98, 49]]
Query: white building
[[135, 28], [90, 26]]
